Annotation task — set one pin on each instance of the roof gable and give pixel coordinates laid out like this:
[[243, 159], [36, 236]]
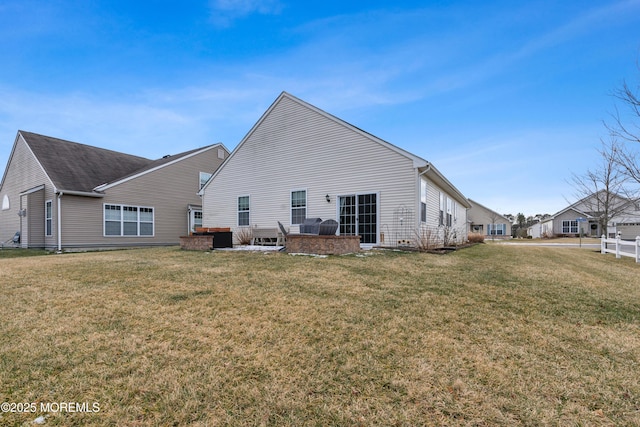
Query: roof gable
[[419, 163], [78, 167], [491, 211]]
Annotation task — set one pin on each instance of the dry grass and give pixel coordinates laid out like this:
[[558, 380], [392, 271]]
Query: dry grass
[[489, 335]]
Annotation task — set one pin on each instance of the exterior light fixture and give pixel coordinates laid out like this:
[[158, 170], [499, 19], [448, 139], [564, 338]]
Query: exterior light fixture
[[328, 198]]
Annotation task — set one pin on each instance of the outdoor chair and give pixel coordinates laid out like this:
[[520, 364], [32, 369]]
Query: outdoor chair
[[285, 233], [310, 226], [328, 227]]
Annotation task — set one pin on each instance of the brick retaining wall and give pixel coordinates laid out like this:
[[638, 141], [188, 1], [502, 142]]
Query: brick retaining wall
[[322, 245], [196, 243]]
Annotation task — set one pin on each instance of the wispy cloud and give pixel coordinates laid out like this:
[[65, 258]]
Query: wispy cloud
[[225, 12]]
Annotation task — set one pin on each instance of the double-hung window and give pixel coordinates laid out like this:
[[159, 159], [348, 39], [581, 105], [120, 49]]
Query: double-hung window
[[243, 211], [423, 201], [298, 206], [124, 220], [496, 229], [569, 227], [441, 216], [48, 218]]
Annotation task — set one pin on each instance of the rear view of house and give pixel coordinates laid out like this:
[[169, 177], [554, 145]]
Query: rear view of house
[[64, 195], [300, 162]]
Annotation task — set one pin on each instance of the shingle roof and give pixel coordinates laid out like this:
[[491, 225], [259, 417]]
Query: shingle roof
[[79, 167]]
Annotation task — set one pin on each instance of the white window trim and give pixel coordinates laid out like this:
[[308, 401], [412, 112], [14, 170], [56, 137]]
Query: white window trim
[[423, 201], [306, 204], [238, 210], [122, 206], [493, 228], [570, 226], [206, 176], [48, 202]]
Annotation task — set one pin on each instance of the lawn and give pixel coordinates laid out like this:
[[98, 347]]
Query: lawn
[[489, 335]]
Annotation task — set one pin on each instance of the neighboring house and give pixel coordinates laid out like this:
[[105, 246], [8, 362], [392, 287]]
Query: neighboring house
[[487, 222], [64, 195], [586, 217], [535, 230], [300, 162]]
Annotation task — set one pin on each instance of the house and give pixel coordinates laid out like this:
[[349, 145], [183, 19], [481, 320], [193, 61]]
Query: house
[[487, 222], [65, 195], [299, 162], [587, 217]]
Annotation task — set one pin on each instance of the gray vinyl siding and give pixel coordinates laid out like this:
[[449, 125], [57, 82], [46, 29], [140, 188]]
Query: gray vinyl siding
[[569, 215], [433, 211], [480, 215], [23, 173], [169, 191], [294, 147]]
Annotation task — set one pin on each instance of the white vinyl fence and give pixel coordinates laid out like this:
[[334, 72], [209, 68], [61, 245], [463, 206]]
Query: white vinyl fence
[[630, 248]]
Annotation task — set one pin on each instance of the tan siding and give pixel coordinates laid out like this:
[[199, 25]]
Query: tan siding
[[295, 147], [168, 191], [23, 173], [480, 215]]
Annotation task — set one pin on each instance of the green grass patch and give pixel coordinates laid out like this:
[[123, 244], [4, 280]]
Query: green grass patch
[[489, 335]]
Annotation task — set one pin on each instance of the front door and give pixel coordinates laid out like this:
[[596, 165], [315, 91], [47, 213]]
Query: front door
[[358, 215]]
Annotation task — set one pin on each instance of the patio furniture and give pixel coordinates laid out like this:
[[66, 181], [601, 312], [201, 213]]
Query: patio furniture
[[328, 227], [283, 236], [310, 226]]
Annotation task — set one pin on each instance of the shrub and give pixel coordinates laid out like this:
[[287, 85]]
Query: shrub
[[426, 239], [476, 238], [243, 235]]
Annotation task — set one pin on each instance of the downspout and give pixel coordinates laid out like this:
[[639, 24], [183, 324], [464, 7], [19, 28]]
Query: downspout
[[60, 221]]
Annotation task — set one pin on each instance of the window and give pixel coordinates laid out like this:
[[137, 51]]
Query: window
[[423, 201], [204, 177], [441, 216], [569, 227], [449, 215], [243, 211], [122, 220], [48, 218], [298, 206], [496, 229]]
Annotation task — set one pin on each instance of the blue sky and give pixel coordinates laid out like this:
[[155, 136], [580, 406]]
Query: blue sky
[[506, 98]]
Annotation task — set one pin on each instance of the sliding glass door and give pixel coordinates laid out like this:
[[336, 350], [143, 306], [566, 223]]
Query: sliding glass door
[[358, 215]]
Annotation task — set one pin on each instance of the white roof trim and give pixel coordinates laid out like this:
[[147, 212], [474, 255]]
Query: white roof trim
[[15, 143], [32, 190]]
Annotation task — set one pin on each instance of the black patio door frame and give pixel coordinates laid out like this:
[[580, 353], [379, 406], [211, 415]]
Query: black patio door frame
[[358, 215]]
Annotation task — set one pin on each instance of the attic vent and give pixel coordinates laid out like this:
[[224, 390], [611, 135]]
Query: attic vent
[[166, 156], [5, 202], [220, 153]]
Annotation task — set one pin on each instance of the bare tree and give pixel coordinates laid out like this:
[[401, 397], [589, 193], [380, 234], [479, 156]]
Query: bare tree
[[625, 128], [605, 192]]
